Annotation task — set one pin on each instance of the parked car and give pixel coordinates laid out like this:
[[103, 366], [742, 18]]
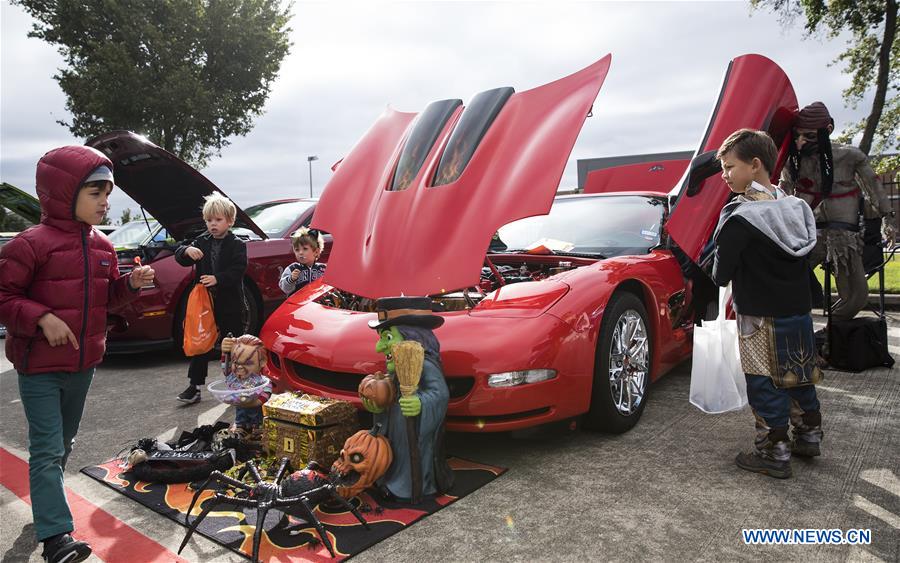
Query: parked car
[[580, 329], [171, 192]]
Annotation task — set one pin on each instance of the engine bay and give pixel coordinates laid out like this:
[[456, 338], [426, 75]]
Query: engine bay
[[498, 270]]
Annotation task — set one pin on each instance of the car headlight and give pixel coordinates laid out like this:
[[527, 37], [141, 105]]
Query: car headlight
[[513, 378]]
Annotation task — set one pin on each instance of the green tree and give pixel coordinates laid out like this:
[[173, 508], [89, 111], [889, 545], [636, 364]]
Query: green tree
[[871, 59], [186, 74], [126, 216]]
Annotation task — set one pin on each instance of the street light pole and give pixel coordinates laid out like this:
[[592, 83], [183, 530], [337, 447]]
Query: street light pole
[[309, 160]]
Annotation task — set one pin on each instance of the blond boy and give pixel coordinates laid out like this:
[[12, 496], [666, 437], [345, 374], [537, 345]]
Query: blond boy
[[220, 261]]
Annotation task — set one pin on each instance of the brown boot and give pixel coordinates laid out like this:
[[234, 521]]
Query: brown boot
[[758, 463], [770, 455], [807, 435]]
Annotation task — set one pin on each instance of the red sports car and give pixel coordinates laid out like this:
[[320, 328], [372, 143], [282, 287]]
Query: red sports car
[[554, 307], [171, 192]]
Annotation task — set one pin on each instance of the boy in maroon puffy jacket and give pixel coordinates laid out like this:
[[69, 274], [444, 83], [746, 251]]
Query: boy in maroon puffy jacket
[[57, 280]]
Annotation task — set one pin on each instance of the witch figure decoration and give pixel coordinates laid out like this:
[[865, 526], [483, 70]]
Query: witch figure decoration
[[413, 418]]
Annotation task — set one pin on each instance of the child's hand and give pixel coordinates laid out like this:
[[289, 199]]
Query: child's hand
[[294, 275], [56, 331], [228, 344], [141, 276], [208, 281], [194, 253]]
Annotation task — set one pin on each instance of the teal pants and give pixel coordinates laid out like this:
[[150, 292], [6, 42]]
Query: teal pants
[[53, 405]]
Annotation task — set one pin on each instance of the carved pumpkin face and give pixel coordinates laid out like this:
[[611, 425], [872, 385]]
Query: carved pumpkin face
[[378, 388], [364, 458]]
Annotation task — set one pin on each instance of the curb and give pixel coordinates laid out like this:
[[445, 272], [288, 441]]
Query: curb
[[891, 300]]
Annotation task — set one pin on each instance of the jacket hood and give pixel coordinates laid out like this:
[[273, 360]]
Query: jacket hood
[[788, 222], [60, 174]]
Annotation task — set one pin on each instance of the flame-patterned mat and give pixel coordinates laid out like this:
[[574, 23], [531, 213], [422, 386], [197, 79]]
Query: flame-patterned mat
[[287, 538]]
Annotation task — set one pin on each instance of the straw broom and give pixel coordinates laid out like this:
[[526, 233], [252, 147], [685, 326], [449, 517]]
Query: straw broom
[[409, 358]]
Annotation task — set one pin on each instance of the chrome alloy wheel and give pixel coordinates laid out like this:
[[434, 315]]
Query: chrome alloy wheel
[[629, 362]]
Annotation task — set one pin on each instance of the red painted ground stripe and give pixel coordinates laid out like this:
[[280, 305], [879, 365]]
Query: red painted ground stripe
[[111, 539]]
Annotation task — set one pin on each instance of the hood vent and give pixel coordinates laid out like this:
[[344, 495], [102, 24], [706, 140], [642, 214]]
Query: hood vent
[[476, 119], [425, 131]]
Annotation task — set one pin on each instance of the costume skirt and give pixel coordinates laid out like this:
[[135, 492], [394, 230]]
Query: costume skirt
[[782, 348]]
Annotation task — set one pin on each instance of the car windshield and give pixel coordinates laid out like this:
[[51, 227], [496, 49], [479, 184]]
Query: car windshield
[[277, 217], [133, 233], [603, 225]]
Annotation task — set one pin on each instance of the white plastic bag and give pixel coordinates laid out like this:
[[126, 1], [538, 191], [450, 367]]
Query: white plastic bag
[[717, 380]]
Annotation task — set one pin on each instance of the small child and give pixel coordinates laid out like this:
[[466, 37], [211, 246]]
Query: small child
[[248, 361], [58, 279], [308, 244], [221, 261], [762, 243]]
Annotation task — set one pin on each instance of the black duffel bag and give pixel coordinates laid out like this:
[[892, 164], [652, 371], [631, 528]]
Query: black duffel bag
[[859, 344]]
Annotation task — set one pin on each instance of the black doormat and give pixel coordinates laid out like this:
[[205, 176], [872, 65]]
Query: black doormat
[[287, 538]]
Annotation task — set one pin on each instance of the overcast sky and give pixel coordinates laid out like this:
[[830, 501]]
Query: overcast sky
[[349, 61]]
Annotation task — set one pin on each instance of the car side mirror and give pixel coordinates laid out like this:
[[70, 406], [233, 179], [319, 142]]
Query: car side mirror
[[702, 166]]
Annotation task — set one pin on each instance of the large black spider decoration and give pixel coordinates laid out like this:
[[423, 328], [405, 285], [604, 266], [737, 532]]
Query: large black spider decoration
[[302, 491]]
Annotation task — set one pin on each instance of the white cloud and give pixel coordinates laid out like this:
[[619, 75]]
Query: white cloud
[[351, 60]]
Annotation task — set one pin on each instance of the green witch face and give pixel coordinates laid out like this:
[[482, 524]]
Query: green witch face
[[386, 340]]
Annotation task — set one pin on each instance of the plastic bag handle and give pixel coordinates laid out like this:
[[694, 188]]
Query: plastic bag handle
[[724, 294]]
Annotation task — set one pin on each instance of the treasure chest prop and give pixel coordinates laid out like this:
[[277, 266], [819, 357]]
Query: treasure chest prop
[[307, 428]]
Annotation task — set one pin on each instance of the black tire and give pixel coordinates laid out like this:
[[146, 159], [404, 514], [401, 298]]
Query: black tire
[[613, 408], [252, 316]]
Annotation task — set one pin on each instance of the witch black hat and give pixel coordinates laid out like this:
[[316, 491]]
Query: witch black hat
[[410, 311]]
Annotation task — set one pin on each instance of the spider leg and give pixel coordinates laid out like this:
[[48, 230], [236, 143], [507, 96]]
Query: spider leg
[[282, 469], [222, 478], [218, 499], [308, 513], [346, 504], [218, 477], [254, 471], [257, 534], [199, 490]]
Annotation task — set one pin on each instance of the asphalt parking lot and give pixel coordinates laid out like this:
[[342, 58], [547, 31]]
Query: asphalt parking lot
[[667, 490]]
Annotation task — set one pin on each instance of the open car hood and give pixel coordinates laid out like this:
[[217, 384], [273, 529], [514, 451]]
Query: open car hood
[[757, 94], [651, 176], [21, 203], [167, 187], [414, 205]]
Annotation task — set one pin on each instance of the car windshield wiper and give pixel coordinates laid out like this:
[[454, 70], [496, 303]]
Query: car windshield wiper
[[596, 255]]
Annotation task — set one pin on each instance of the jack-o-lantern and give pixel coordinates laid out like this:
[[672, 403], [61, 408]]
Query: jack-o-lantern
[[378, 388], [363, 460]]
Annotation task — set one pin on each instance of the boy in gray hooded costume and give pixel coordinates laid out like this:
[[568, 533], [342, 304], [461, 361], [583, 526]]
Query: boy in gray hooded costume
[[762, 242]]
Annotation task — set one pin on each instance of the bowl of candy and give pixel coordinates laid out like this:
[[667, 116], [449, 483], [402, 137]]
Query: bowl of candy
[[237, 397]]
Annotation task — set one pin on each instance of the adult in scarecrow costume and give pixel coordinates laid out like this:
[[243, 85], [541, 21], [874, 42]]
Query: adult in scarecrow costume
[[838, 183], [420, 414]]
